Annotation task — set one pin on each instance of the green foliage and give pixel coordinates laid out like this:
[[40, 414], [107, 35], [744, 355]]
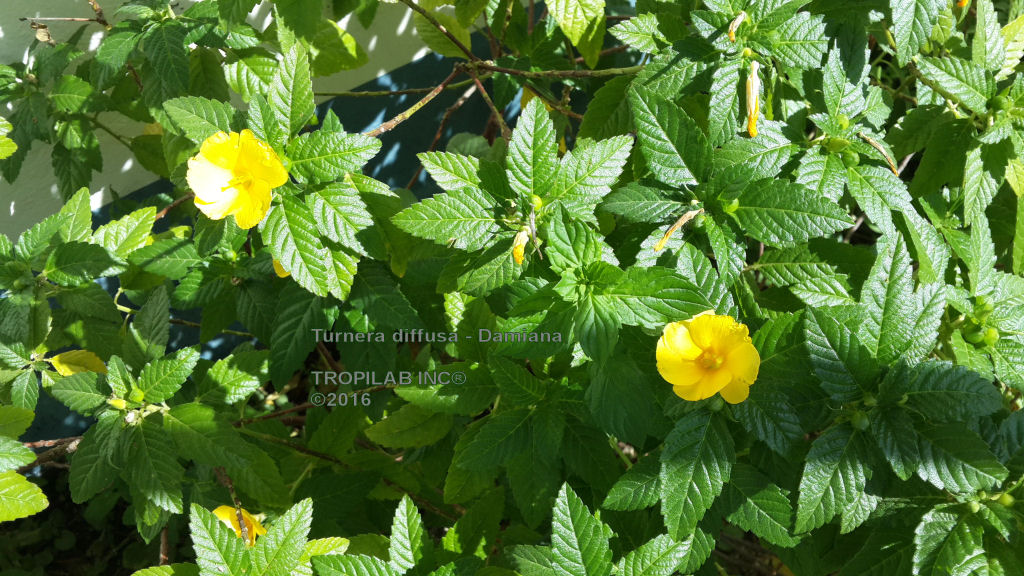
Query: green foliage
[[467, 382]]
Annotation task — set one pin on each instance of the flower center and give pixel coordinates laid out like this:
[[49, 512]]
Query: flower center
[[710, 360], [241, 180]]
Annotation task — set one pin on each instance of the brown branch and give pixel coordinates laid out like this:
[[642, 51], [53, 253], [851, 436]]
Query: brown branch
[[548, 74], [58, 449], [173, 205], [403, 92], [390, 124], [55, 19], [440, 129], [434, 22], [606, 51], [99, 13], [165, 548], [505, 132], [225, 480]]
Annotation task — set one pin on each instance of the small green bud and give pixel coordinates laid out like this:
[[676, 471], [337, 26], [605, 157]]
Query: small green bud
[[118, 403], [836, 144], [975, 336], [974, 506], [850, 158], [716, 404], [136, 395], [860, 420], [870, 401], [843, 120], [1006, 500], [999, 104], [748, 53], [536, 201], [731, 207], [991, 336]]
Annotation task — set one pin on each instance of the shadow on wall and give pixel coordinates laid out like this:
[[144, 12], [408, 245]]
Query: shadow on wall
[[34, 195]]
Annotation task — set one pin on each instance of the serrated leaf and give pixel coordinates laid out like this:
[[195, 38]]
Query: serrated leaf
[[987, 48], [199, 118], [834, 477], [155, 472], [218, 550], [785, 214], [912, 22], [352, 565], [759, 506], [410, 427], [677, 151], [579, 541], [127, 234], [161, 378], [172, 257], [19, 497], [695, 465], [844, 366], [465, 217], [502, 435], [956, 459], [92, 467], [81, 392], [949, 541], [962, 80], [327, 156], [291, 91], [407, 536], [532, 164], [289, 230], [658, 557], [638, 488], [277, 552], [800, 41], [583, 22]]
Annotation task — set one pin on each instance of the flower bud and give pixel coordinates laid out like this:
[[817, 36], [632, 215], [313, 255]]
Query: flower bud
[[753, 98], [519, 245]]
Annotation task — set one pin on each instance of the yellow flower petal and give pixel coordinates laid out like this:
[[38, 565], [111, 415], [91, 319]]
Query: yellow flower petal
[[75, 361], [706, 355], [234, 174], [280, 271], [229, 516]]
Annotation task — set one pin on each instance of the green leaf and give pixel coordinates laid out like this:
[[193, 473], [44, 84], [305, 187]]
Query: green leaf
[[169, 570], [894, 433], [352, 565], [759, 506], [695, 465], [764, 155], [298, 314], [943, 392], [410, 427], [376, 294], [464, 218], [635, 202], [291, 91], [326, 156], [662, 556], [579, 541], [608, 112], [452, 172], [479, 273], [112, 54], [290, 231], [677, 151], [218, 550], [571, 244], [1008, 355], [278, 551], [654, 296], [800, 41], [341, 213], [532, 162], [516, 384], [596, 324], [75, 263], [887, 551], [502, 435], [620, 399], [233, 378], [587, 174], [25, 390], [201, 436], [171, 258], [407, 536], [161, 378], [164, 46], [638, 488], [912, 22], [961, 80], [14, 420], [979, 186], [439, 42], [834, 477], [844, 366], [333, 50], [154, 472], [1013, 39], [71, 95], [956, 459], [786, 214], [127, 234], [250, 72], [81, 392], [93, 465], [987, 48], [583, 22], [19, 497], [14, 454], [949, 541], [640, 32], [199, 118]]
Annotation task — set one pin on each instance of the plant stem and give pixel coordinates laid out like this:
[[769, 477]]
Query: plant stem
[[173, 205], [434, 22], [191, 324], [548, 74], [440, 129], [505, 132], [390, 124], [96, 122], [377, 93]]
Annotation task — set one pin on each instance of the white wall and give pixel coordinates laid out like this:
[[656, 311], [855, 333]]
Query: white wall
[[34, 194]]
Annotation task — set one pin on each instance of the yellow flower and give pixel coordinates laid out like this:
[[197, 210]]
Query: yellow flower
[[753, 98], [233, 175], [75, 361], [706, 355], [280, 271], [519, 245], [229, 516]]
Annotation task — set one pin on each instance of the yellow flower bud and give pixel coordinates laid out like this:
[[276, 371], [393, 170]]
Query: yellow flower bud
[[519, 245], [673, 228], [706, 355], [233, 175], [735, 24], [229, 516], [753, 98], [118, 403]]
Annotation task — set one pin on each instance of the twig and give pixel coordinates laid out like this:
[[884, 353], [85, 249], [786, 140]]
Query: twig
[[60, 448], [904, 162], [55, 19], [505, 132], [440, 130], [96, 122], [192, 324], [165, 548], [853, 229], [329, 358], [558, 73], [99, 14], [434, 22], [556, 106], [390, 124], [276, 414], [225, 480], [174, 205], [605, 52], [403, 92]]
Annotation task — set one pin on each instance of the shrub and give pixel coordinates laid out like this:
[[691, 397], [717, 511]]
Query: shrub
[[741, 292]]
